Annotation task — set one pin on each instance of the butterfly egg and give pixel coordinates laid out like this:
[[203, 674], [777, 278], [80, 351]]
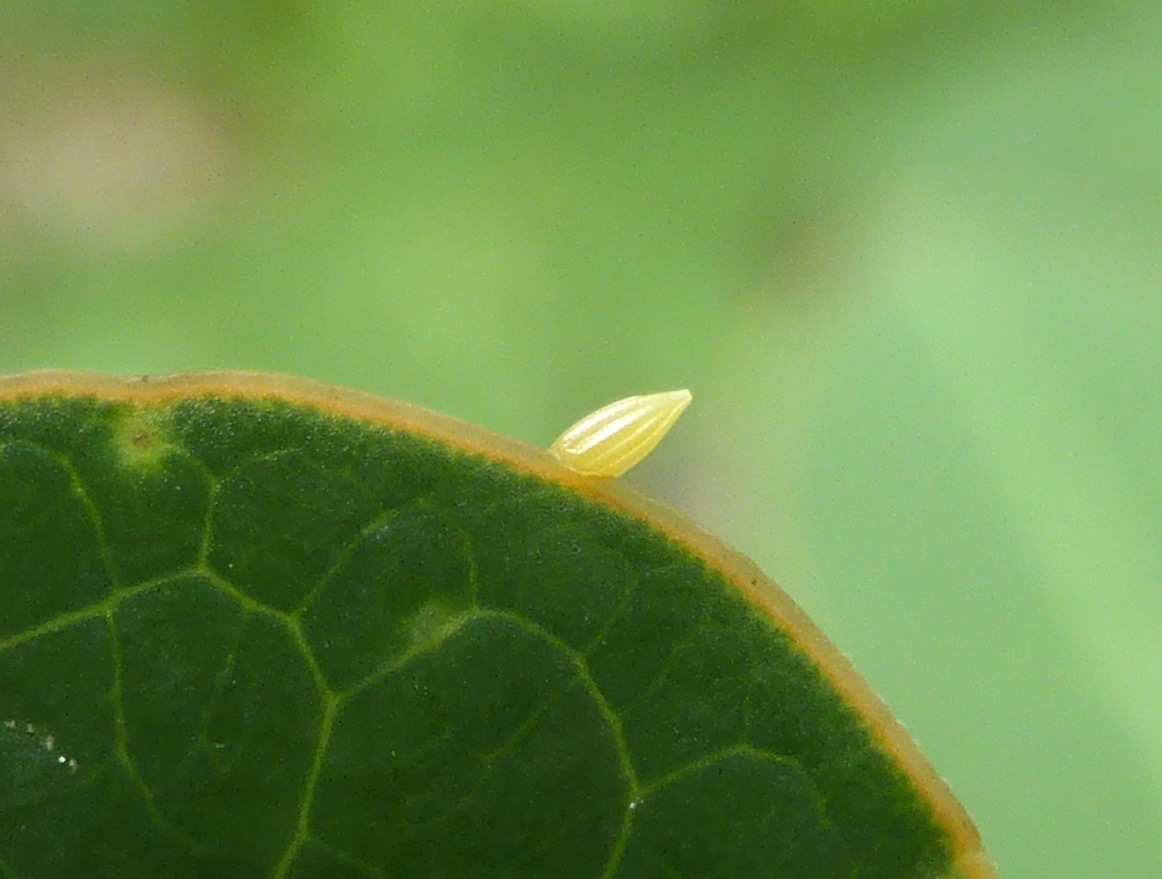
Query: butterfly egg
[[613, 439]]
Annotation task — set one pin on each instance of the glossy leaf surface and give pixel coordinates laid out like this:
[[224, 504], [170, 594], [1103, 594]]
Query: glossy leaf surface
[[255, 627]]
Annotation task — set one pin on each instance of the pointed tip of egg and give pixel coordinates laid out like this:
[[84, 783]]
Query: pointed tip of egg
[[678, 399]]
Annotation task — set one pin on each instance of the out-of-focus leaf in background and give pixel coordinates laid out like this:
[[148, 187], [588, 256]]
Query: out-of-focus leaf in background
[[906, 256]]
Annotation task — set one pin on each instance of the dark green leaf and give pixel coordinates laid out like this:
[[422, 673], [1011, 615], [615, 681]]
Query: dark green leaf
[[259, 629]]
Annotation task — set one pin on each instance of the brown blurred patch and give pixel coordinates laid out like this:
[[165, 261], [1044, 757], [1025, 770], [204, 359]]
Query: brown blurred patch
[[109, 158]]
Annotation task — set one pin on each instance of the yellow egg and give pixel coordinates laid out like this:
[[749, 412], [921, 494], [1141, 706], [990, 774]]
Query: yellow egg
[[613, 439]]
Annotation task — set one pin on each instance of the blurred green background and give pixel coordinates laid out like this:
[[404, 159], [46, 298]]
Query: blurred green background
[[906, 255]]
